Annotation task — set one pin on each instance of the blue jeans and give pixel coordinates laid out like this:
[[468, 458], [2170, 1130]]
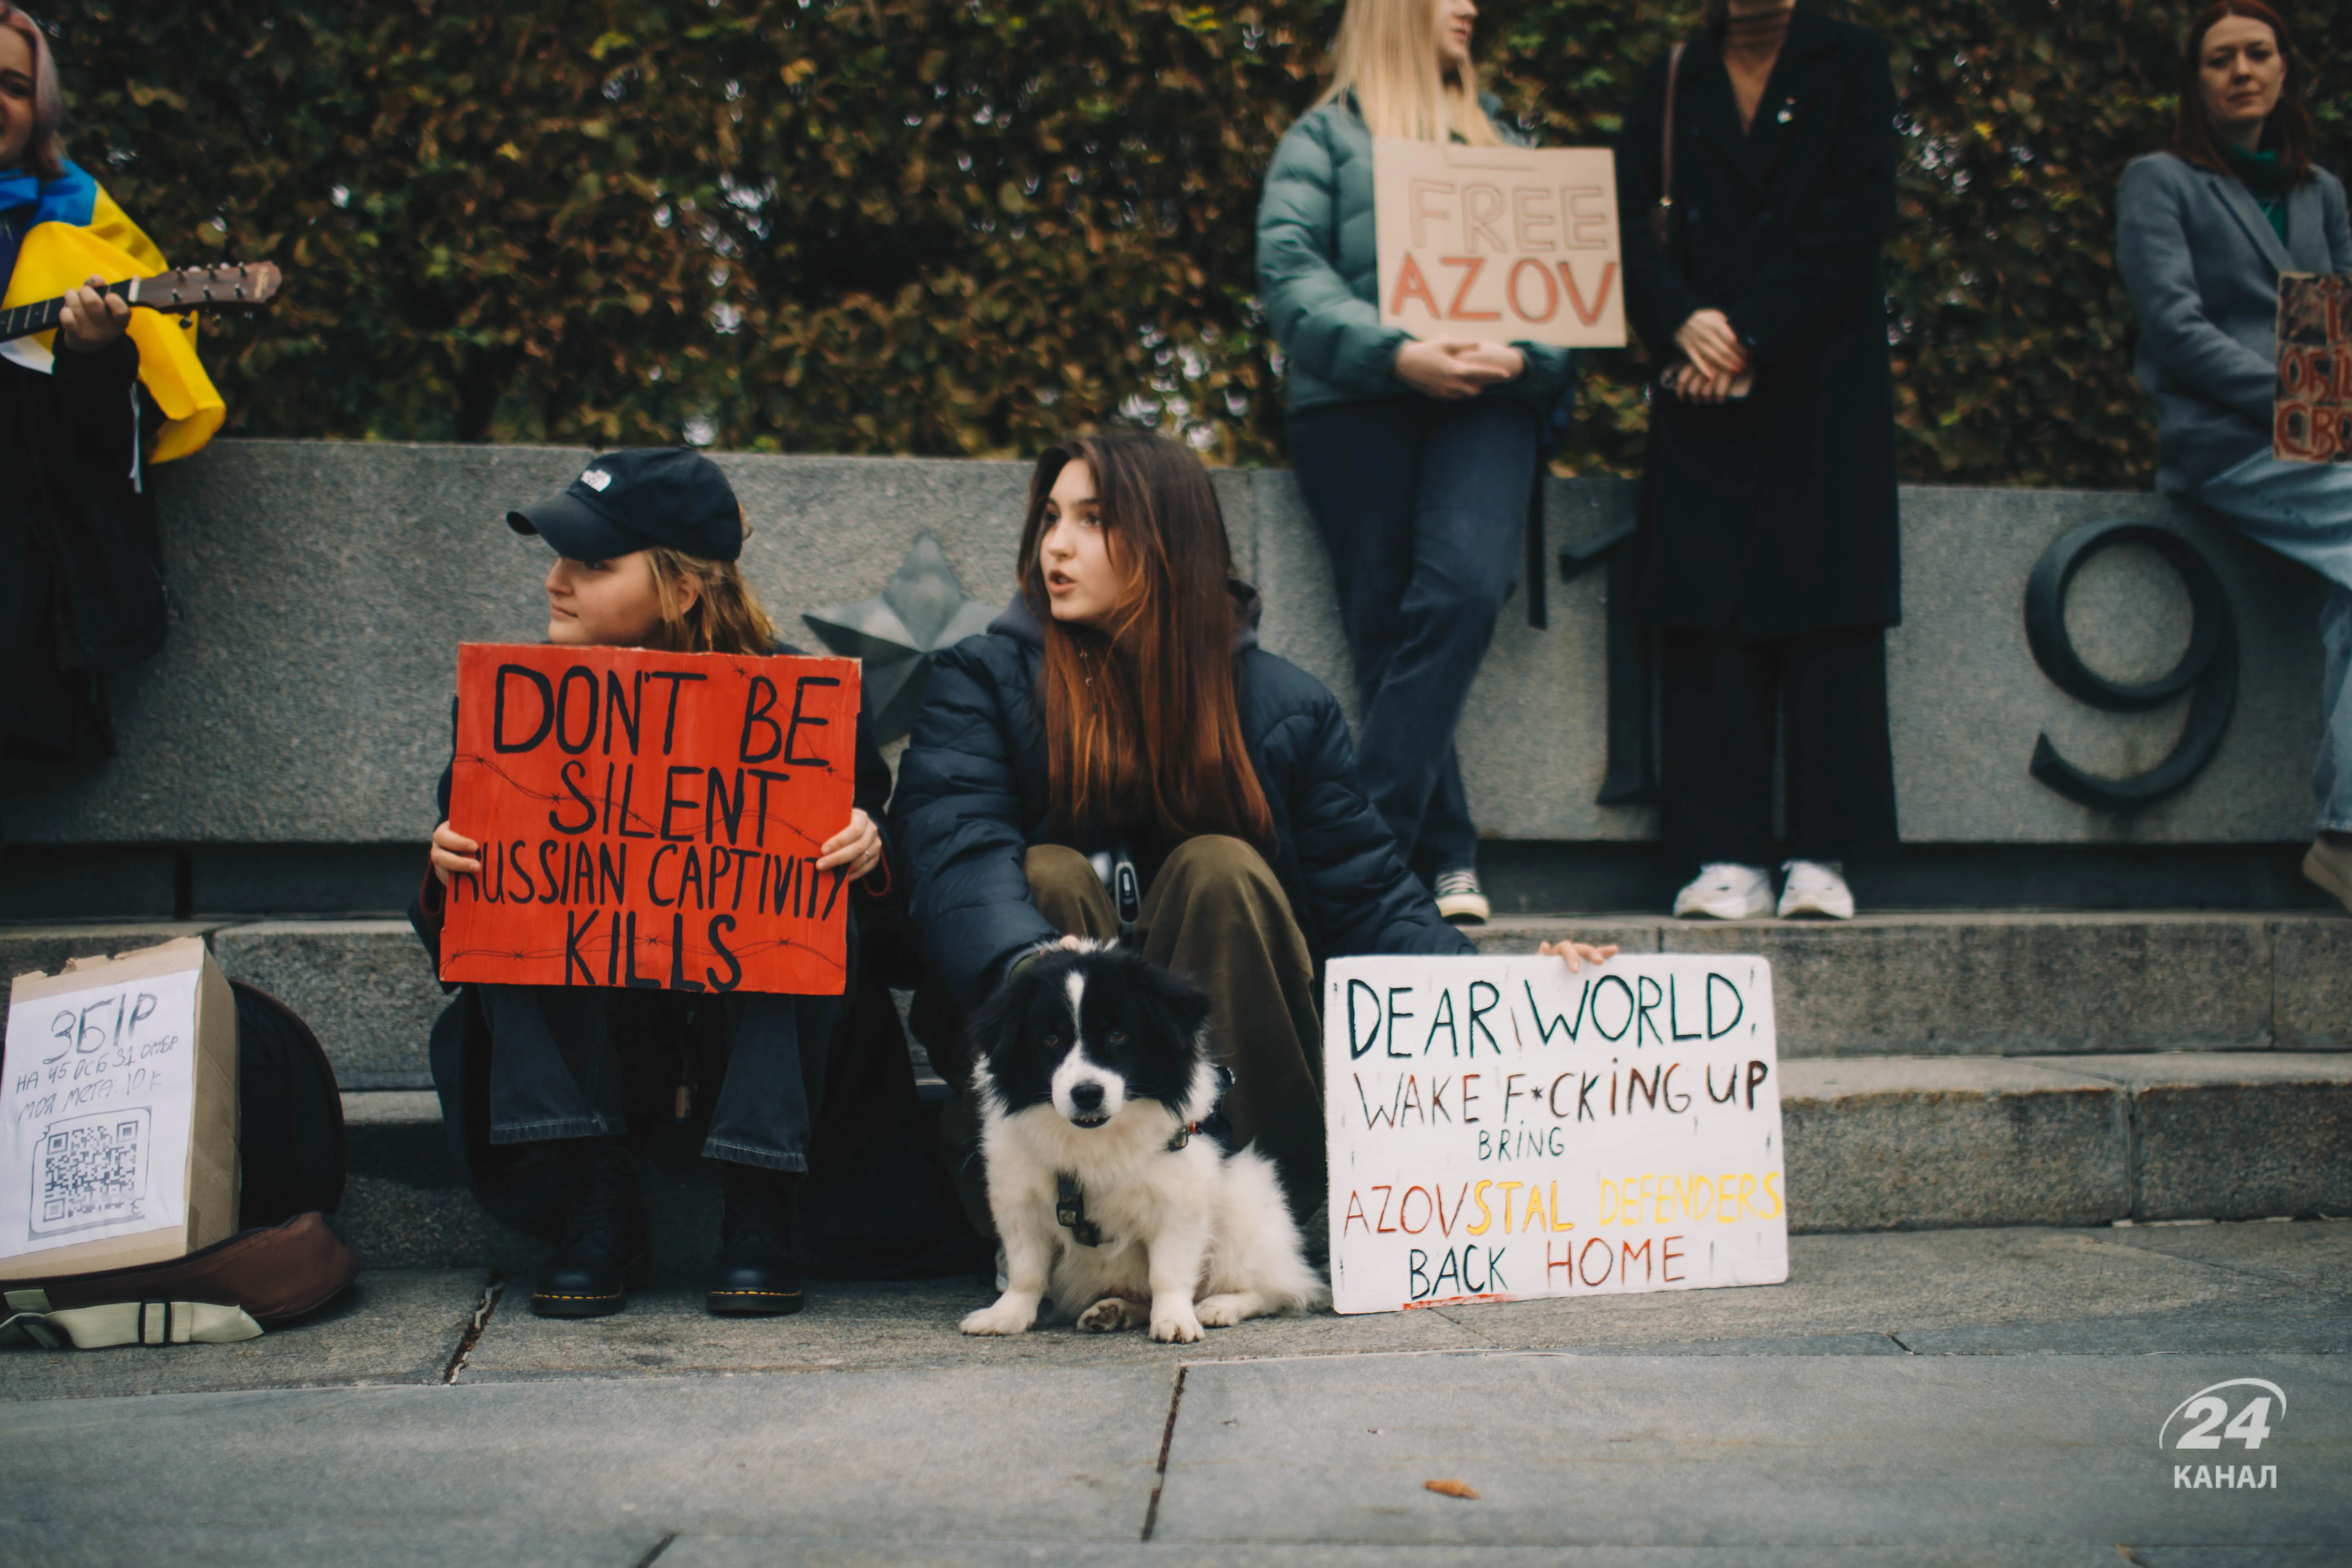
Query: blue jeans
[[2303, 510], [1424, 506], [558, 1055]]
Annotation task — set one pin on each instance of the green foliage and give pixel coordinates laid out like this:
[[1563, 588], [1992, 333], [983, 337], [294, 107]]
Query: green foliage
[[960, 226]]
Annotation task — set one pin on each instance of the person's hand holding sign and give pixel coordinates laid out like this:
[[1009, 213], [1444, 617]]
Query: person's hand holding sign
[[1450, 369], [857, 847], [454, 853], [1577, 954]]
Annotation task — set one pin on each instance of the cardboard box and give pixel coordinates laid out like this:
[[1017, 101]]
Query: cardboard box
[[118, 1112]]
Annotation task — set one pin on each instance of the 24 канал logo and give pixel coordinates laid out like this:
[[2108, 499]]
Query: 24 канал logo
[[2206, 1422]]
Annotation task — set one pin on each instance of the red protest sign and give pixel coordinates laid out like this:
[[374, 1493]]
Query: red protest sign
[[2311, 416], [650, 819]]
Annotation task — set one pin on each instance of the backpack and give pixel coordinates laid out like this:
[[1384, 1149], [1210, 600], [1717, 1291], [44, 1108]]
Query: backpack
[[283, 1263], [290, 1126]]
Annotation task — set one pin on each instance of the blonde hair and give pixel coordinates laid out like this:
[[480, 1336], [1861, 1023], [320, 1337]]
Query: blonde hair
[[725, 616], [1386, 53]]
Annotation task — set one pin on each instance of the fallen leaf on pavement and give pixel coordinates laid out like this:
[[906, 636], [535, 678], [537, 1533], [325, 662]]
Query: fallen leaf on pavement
[[1453, 1489]]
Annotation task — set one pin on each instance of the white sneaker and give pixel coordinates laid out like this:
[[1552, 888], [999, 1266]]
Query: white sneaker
[[1816, 887], [1460, 899], [1724, 891]]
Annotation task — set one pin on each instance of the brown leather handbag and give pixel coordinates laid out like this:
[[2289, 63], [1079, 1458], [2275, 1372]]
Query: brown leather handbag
[[272, 1276]]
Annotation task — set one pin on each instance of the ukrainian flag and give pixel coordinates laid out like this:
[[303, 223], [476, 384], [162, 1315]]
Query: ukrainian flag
[[57, 235]]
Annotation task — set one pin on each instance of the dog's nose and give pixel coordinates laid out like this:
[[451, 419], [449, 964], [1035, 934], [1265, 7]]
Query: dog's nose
[[1086, 1096]]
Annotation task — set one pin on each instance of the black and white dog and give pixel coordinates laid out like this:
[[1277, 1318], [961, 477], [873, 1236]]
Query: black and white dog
[[1093, 1074]]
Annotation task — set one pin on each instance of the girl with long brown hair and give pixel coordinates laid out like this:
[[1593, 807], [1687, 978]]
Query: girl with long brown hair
[[2203, 230], [1117, 757], [544, 1086]]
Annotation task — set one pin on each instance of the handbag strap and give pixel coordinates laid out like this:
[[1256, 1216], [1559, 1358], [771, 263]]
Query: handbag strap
[[1662, 213], [126, 1323]]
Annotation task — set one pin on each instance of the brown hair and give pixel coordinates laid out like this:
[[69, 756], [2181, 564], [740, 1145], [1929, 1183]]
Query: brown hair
[[725, 616], [45, 155], [1141, 719], [2287, 132]]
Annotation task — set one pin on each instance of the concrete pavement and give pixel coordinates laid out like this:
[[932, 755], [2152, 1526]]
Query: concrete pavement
[[1991, 1396]]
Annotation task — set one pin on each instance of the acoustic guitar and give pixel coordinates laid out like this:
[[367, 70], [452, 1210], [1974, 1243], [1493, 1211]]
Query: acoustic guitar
[[249, 285]]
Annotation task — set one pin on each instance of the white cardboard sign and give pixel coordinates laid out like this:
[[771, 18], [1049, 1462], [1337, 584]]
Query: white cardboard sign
[[1502, 1128], [1499, 244], [95, 1114]]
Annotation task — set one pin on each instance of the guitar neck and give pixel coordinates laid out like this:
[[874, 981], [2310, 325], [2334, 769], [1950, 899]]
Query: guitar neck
[[241, 287], [24, 320]]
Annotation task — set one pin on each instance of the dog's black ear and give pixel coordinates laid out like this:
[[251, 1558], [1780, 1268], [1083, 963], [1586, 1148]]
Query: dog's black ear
[[995, 1024], [1185, 1005]]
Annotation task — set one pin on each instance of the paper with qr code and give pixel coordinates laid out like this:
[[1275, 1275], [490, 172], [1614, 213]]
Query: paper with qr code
[[98, 1099]]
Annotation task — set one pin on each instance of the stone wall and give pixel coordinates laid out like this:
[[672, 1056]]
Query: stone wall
[[304, 697]]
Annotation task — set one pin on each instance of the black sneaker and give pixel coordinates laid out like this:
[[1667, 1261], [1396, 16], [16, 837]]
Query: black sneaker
[[604, 1251], [1460, 899], [757, 1275]]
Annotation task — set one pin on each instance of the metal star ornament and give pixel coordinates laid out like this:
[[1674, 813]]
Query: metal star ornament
[[922, 611]]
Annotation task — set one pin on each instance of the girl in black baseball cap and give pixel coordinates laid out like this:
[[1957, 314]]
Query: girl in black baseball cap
[[647, 546]]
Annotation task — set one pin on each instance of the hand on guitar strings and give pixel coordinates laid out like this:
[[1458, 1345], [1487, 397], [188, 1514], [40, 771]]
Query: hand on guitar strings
[[91, 320]]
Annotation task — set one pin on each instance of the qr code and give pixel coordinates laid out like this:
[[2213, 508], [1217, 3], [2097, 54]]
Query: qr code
[[90, 1171]]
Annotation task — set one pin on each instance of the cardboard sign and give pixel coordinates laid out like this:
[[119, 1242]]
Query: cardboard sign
[[1501, 244], [2312, 416], [651, 819], [118, 1113], [1501, 1128]]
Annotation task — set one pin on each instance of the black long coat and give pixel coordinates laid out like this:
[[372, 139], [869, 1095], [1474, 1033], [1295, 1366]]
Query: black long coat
[[1775, 516]]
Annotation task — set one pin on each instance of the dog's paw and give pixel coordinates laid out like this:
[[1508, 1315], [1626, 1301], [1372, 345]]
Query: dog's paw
[[1000, 1319], [1225, 1311], [1180, 1328], [1109, 1315]]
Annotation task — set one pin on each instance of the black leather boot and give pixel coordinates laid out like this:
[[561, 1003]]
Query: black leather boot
[[757, 1275], [604, 1251]]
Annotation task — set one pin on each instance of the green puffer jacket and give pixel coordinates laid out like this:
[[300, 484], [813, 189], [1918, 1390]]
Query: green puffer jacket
[[1318, 271]]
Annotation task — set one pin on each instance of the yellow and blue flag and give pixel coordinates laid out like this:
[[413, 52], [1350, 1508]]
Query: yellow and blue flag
[[57, 235]]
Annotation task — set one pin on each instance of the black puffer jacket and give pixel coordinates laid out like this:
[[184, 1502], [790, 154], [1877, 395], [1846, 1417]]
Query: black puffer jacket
[[973, 797]]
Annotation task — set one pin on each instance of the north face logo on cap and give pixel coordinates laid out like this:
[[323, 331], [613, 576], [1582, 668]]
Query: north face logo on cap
[[596, 480]]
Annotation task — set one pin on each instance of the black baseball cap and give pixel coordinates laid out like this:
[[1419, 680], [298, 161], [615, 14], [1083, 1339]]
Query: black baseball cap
[[636, 498]]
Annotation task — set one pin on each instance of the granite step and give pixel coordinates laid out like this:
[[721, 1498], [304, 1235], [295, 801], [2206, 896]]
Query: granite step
[[2015, 984], [1874, 1143], [1898, 985]]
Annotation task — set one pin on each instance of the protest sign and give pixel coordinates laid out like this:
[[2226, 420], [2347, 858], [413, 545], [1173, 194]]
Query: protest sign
[[651, 819], [118, 1112], [1504, 245], [2311, 416], [1502, 1128]]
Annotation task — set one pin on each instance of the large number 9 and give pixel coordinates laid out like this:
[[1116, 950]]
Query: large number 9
[[2210, 664]]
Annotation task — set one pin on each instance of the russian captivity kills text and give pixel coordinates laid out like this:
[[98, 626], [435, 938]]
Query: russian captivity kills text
[[651, 819], [1501, 1127]]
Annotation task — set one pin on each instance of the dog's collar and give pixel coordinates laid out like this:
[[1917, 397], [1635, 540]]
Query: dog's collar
[[1070, 1209], [1188, 1131], [1070, 1196]]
